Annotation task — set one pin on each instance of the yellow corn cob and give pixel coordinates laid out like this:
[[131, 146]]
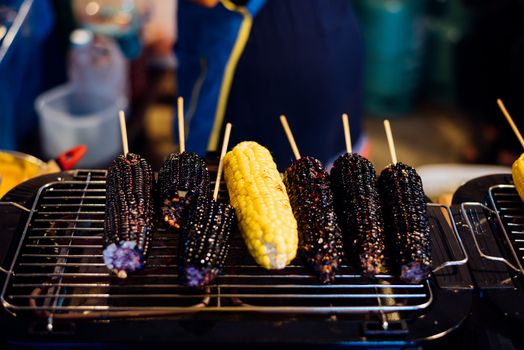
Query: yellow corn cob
[[517, 170], [260, 200]]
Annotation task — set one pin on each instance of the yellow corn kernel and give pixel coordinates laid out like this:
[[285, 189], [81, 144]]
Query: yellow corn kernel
[[517, 171], [262, 206]]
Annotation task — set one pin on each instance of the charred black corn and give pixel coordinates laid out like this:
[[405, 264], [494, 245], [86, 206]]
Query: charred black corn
[[205, 242], [262, 205], [129, 214], [357, 204], [319, 236], [406, 218], [183, 178]]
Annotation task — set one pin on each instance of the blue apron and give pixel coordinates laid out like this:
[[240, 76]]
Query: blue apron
[[207, 42], [302, 59]]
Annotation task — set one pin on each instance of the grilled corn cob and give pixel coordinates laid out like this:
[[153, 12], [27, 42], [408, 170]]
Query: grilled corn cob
[[129, 214], [205, 242], [517, 171], [357, 204], [406, 218], [262, 206], [183, 178], [319, 236]]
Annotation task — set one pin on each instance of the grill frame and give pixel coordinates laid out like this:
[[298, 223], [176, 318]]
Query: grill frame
[[496, 209], [500, 211], [499, 282], [440, 294]]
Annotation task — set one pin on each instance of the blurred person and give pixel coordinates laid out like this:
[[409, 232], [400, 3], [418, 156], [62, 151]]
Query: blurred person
[[249, 61], [159, 31], [491, 66]]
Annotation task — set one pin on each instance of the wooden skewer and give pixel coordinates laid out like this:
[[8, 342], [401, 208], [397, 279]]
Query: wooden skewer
[[510, 121], [391, 144], [181, 131], [347, 133], [123, 132], [227, 133], [290, 137]]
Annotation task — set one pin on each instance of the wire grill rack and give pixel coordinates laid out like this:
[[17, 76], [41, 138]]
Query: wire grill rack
[[510, 214], [58, 271]]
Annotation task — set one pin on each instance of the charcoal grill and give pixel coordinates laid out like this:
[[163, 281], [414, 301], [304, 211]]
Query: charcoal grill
[[56, 288]]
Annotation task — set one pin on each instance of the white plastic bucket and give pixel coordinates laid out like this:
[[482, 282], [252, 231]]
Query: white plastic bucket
[[67, 120]]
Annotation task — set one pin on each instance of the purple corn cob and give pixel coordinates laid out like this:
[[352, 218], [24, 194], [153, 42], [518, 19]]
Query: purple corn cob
[[129, 214], [405, 212], [183, 179], [319, 236], [205, 242], [357, 204]]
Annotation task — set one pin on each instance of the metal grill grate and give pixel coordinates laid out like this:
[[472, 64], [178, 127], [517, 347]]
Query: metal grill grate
[[58, 272], [510, 214]]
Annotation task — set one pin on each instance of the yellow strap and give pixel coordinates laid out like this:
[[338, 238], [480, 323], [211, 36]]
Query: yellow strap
[[229, 71]]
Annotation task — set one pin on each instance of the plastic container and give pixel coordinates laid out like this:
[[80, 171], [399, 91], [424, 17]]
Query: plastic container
[[64, 124], [96, 64]]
